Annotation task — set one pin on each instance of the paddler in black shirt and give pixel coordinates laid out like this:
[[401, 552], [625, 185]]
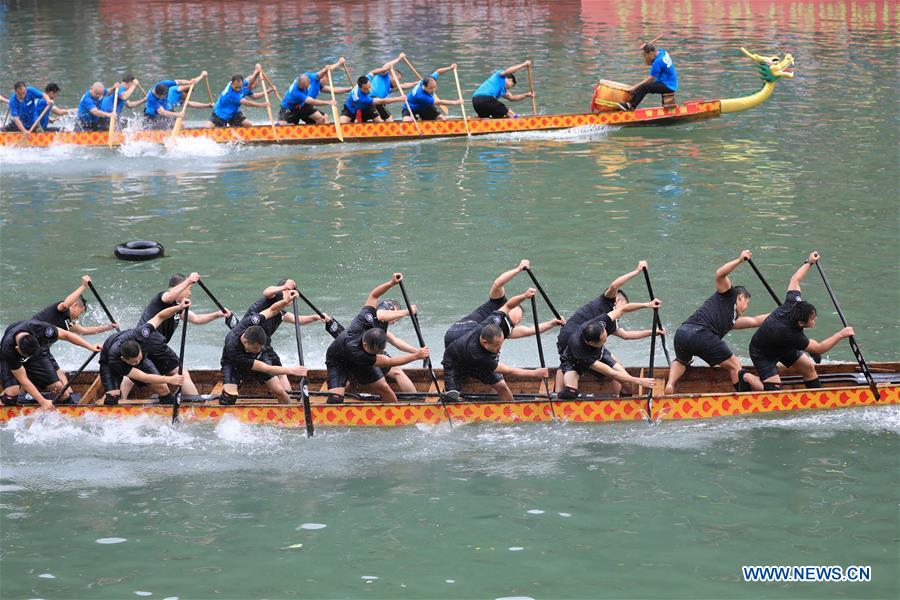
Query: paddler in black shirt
[[781, 339], [701, 335], [358, 353], [243, 355]]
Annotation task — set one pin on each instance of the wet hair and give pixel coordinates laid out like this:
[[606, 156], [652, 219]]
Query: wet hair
[[28, 345], [619, 292], [427, 80], [82, 301], [491, 332], [388, 305], [593, 331], [740, 290], [161, 90], [363, 80], [376, 339], [802, 311], [237, 78], [176, 279], [19, 85], [282, 281], [127, 78], [648, 48], [51, 87], [255, 335], [130, 349], [513, 77]]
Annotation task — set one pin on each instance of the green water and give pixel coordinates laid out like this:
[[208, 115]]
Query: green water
[[672, 510]]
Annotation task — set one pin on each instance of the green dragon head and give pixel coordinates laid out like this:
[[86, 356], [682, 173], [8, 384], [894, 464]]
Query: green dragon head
[[772, 68]]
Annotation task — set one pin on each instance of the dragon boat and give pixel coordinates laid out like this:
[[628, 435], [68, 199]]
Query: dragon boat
[[707, 394], [771, 69]]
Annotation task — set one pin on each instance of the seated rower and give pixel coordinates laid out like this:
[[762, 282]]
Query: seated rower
[[358, 354], [244, 354], [179, 289], [118, 97], [272, 295], [584, 350], [24, 349], [701, 335], [662, 78], [486, 99], [360, 104], [226, 112], [302, 97], [178, 94], [612, 298], [383, 84], [90, 116], [140, 356], [781, 339], [64, 315], [159, 113], [472, 349], [23, 111], [422, 100]]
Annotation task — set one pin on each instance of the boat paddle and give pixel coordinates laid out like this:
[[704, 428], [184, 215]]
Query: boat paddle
[[419, 77], [179, 121], [543, 293], [338, 129], [333, 328], [271, 85], [540, 347], [656, 321], [176, 398], [462, 104], [33, 125], [853, 345], [531, 85], [654, 40], [405, 101], [103, 305], [209, 91], [414, 317], [231, 320], [347, 71], [269, 108], [112, 119], [652, 360], [75, 376], [304, 390]]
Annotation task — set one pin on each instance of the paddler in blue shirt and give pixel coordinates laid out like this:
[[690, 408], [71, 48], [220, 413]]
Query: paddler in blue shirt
[[383, 84], [422, 101], [662, 78], [361, 103], [300, 100], [486, 99], [22, 107], [226, 112], [90, 116], [51, 90], [124, 91], [178, 93], [158, 106]]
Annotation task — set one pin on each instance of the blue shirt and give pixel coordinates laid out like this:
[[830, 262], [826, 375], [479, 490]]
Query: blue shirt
[[229, 102], [381, 85], [418, 98], [85, 105], [315, 86], [294, 97], [663, 69], [174, 97], [357, 100], [25, 108], [494, 86], [39, 107], [154, 103], [106, 103]]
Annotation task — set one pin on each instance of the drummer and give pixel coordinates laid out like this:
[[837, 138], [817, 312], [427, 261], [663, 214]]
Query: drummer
[[662, 79]]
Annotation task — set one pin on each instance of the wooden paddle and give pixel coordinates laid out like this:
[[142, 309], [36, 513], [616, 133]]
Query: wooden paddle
[[338, 129], [531, 85], [304, 390], [103, 305], [209, 91], [462, 104], [269, 109], [112, 119], [179, 121], [33, 125], [656, 39], [540, 346], [853, 345], [347, 71], [269, 81], [406, 101], [176, 401], [656, 321], [419, 77]]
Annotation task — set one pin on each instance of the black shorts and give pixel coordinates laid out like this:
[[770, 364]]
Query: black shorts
[[488, 107], [368, 113], [294, 116], [158, 122], [158, 352], [270, 357], [11, 127], [233, 374], [235, 121], [382, 111], [41, 370], [767, 366], [97, 125], [426, 113], [455, 377], [696, 340], [567, 364], [340, 371], [112, 381]]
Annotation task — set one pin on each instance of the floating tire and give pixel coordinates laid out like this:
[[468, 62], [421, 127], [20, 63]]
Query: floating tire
[[139, 250]]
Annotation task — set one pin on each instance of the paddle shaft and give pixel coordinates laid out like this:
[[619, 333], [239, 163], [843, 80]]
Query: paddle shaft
[[543, 293], [338, 328], [531, 85], [179, 122], [176, 400], [209, 91], [338, 129], [347, 71], [540, 347], [228, 323], [33, 125], [268, 106], [652, 360], [405, 101], [853, 345], [656, 322], [304, 391], [462, 104], [419, 77], [112, 119], [75, 376], [764, 282], [269, 81], [102, 304]]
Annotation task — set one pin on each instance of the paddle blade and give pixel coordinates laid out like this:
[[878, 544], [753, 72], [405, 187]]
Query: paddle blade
[[337, 123]]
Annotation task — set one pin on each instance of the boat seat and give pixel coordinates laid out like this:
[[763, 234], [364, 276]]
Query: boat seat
[[668, 100]]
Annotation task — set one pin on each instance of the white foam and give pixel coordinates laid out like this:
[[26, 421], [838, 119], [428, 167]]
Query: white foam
[[47, 576], [535, 511], [369, 577], [311, 526], [566, 515], [583, 133], [516, 548], [197, 146], [111, 540], [143, 593]]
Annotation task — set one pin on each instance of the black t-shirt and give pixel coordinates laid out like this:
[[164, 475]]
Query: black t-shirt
[[112, 348], [777, 334], [717, 314], [348, 345], [487, 309], [577, 350], [166, 328], [233, 352], [466, 352], [600, 305], [365, 320], [272, 324], [45, 333], [52, 315]]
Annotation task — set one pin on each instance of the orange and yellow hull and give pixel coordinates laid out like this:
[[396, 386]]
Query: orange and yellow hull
[[701, 406], [378, 132]]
